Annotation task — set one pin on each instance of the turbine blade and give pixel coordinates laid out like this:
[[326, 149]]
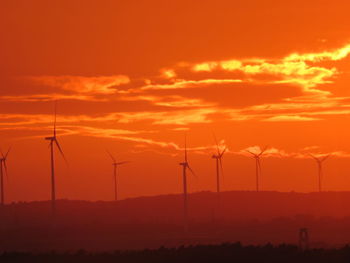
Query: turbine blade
[[221, 168], [189, 168], [254, 154], [314, 157], [263, 150], [2, 154], [217, 144], [60, 150], [113, 159], [5, 166], [7, 153], [55, 117], [185, 149], [222, 153], [311, 155], [325, 157]]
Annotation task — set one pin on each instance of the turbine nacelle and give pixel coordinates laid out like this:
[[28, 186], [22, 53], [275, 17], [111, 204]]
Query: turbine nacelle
[[185, 162], [115, 163], [4, 156], [257, 155], [320, 159], [219, 154], [53, 139], [187, 166]]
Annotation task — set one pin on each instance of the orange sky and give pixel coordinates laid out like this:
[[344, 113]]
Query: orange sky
[[134, 76]]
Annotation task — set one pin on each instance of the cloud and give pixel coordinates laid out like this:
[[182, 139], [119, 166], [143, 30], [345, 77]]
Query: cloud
[[186, 84], [50, 97], [295, 72], [302, 108], [336, 54], [37, 119], [82, 84], [169, 117], [176, 101], [178, 117], [172, 101], [141, 142], [278, 153], [69, 87], [168, 73], [89, 131], [293, 68], [141, 138], [310, 148], [180, 129], [205, 66], [290, 118], [128, 135]]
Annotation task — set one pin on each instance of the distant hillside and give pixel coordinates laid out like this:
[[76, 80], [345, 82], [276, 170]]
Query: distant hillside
[[249, 217]]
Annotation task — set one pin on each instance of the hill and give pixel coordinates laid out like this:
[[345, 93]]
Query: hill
[[151, 222]]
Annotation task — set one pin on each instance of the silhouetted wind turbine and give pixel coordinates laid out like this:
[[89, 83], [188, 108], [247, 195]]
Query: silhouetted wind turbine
[[257, 157], [185, 166], [53, 141], [218, 157], [115, 165], [319, 161], [3, 169]]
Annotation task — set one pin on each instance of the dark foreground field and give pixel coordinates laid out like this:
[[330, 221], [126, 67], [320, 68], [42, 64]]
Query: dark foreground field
[[214, 253], [151, 222]]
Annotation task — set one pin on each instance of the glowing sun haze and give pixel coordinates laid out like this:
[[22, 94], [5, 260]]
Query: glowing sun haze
[[134, 77]]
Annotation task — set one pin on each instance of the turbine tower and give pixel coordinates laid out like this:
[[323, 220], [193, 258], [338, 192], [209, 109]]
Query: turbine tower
[[115, 165], [257, 157], [53, 141], [3, 170], [185, 166], [319, 161], [218, 158]]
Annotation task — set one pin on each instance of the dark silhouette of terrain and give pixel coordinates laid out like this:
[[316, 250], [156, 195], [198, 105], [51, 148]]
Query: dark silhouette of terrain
[[152, 222], [204, 253]]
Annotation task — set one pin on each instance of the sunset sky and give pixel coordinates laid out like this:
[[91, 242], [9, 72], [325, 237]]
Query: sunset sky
[[134, 77]]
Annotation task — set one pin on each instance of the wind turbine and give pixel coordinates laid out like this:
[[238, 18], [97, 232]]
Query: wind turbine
[[218, 157], [3, 169], [319, 161], [185, 166], [53, 141], [257, 157], [115, 165]]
